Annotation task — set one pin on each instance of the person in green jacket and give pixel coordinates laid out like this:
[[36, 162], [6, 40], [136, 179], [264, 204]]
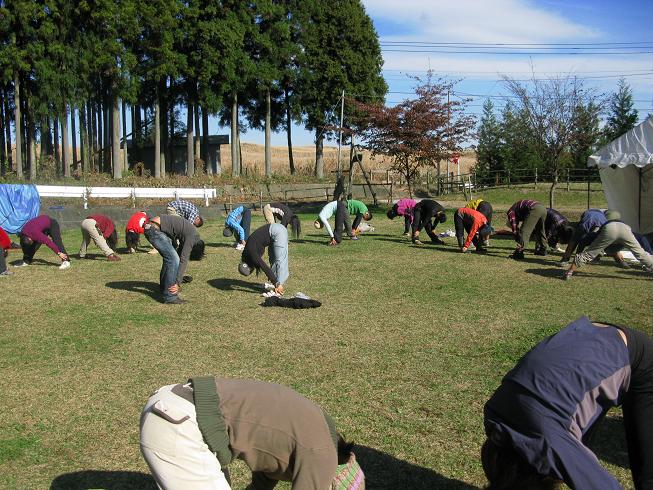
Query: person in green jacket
[[191, 432], [360, 212]]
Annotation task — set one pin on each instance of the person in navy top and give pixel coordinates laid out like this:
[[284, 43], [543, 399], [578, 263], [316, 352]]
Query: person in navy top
[[540, 418]]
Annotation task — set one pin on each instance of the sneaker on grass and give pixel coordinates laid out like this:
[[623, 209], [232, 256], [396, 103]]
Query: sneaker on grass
[[64, 265], [22, 263], [6, 273]]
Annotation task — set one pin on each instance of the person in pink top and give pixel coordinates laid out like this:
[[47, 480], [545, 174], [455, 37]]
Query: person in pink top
[[403, 207], [38, 231]]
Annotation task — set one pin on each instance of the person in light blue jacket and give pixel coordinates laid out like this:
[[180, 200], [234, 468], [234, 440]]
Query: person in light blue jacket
[[237, 223]]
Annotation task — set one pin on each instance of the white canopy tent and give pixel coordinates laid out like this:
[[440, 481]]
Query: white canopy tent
[[626, 170]]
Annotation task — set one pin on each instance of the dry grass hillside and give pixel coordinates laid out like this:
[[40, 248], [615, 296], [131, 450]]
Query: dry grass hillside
[[304, 156]]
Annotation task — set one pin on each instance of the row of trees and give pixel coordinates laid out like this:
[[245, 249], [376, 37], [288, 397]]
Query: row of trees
[[265, 65], [549, 125]]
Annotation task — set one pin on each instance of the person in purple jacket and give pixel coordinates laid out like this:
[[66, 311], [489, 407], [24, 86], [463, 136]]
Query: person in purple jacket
[[403, 207], [538, 422], [42, 230]]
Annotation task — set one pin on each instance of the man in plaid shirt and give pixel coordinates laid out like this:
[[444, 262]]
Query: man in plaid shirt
[[532, 215], [186, 210]]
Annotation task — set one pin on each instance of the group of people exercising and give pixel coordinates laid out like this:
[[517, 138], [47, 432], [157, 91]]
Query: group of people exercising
[[538, 421]]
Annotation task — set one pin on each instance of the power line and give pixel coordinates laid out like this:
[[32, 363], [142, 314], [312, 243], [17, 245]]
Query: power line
[[521, 53], [517, 44]]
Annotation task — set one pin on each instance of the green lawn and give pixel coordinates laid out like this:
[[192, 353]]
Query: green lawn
[[408, 345]]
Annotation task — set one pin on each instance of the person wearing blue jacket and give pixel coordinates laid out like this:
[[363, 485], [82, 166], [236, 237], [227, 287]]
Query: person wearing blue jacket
[[538, 422], [238, 222]]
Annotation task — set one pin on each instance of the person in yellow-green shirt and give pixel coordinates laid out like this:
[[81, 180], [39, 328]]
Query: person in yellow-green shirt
[[483, 207]]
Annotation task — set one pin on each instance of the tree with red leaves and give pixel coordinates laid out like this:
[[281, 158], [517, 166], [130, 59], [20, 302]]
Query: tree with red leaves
[[417, 132]]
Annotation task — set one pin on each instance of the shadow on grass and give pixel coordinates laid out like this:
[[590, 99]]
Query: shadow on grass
[[226, 284], [608, 442], [108, 480], [556, 273], [220, 245], [35, 262], [385, 471], [150, 289]]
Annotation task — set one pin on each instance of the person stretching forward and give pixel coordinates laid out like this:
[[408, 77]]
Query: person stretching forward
[[423, 212], [473, 223], [532, 215], [275, 238], [134, 230], [238, 222], [190, 433], [279, 211], [102, 231], [339, 208], [42, 230], [539, 421], [403, 207]]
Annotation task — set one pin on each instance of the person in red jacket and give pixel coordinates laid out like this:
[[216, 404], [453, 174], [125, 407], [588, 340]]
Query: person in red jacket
[[102, 231], [134, 230], [474, 223], [5, 244]]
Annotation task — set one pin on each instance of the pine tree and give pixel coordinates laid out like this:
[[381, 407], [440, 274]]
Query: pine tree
[[623, 116], [489, 155]]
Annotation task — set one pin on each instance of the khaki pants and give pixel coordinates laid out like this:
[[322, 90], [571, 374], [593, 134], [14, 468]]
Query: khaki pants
[[268, 214], [615, 236], [90, 232], [173, 446]]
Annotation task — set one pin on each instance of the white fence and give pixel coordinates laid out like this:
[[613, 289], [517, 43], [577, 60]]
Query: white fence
[[132, 193]]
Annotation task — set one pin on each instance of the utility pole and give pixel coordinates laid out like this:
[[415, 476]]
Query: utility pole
[[342, 117]]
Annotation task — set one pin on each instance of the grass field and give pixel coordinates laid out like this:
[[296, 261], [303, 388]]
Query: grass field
[[408, 345]]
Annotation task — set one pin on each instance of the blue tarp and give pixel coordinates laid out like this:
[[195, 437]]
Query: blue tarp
[[18, 205]]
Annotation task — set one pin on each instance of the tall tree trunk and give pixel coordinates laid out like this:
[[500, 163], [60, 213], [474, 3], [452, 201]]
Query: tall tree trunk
[[125, 157], [164, 131], [157, 136], [108, 133], [57, 148], [198, 150], [554, 183], [83, 138], [118, 162], [319, 156], [99, 127], [17, 125], [92, 141], [268, 130], [235, 163], [3, 146], [206, 155], [31, 128], [67, 158], [10, 158], [171, 132], [291, 160], [73, 138], [190, 143]]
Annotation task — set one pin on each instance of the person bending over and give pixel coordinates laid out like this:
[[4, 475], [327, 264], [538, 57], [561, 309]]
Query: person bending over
[[238, 222], [612, 237], [186, 210], [476, 226], [403, 207], [134, 230], [558, 229], [540, 419], [359, 211], [584, 232], [275, 238], [190, 433], [102, 231], [38, 231], [532, 216], [483, 207], [279, 212], [163, 232], [339, 208], [5, 245], [427, 214]]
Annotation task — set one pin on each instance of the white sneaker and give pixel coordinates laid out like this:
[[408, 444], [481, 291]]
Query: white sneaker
[[240, 247], [22, 263], [64, 265], [6, 273]]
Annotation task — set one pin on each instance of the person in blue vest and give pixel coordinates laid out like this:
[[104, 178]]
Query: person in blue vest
[[237, 223], [538, 422]]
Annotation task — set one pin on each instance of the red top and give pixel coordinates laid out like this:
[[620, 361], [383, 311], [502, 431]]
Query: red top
[[478, 221], [104, 224], [136, 222], [5, 242]]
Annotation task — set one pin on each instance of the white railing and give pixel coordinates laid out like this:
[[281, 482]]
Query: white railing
[[132, 193]]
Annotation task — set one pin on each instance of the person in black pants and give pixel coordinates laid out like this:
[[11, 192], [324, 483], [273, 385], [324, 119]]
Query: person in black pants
[[427, 214]]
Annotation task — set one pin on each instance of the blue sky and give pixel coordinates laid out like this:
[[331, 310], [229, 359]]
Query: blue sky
[[590, 23]]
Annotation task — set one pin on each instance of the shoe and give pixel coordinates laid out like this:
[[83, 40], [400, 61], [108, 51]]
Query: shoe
[[437, 241], [113, 258], [623, 265], [540, 251], [240, 247], [406, 234], [481, 250], [132, 250], [353, 237], [6, 272], [646, 268], [417, 242], [517, 255], [187, 279], [64, 265], [154, 251], [176, 301], [566, 276], [22, 263]]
